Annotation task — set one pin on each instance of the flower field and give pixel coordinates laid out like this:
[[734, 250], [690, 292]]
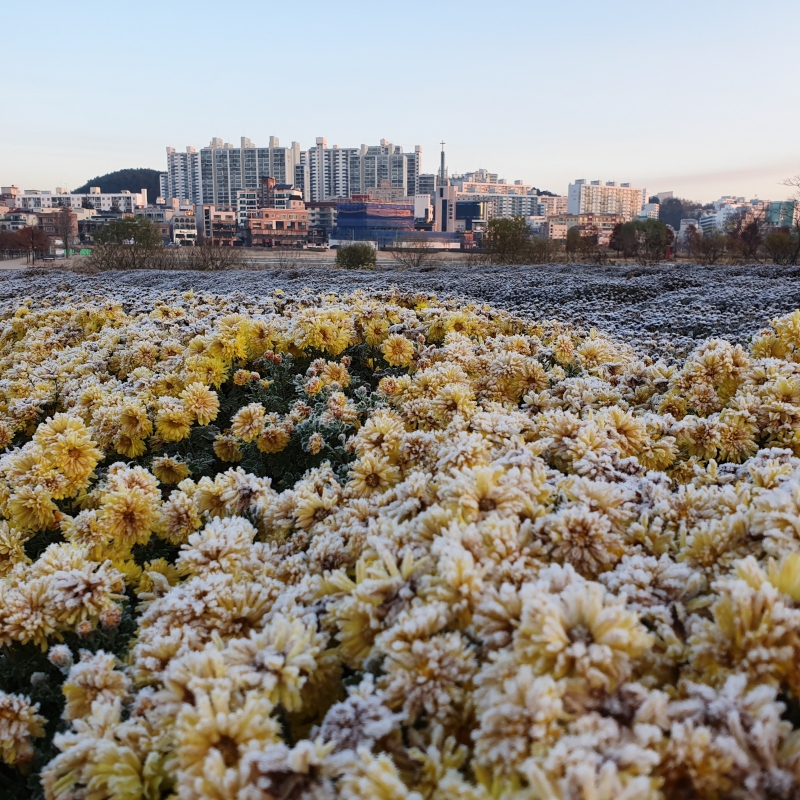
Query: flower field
[[383, 545]]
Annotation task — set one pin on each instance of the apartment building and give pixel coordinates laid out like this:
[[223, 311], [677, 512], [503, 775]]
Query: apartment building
[[549, 205], [124, 201], [601, 225], [478, 183], [213, 175], [331, 173], [503, 199], [182, 176], [650, 211], [426, 184], [596, 197]]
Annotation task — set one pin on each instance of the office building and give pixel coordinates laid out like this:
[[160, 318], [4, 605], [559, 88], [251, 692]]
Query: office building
[[782, 214], [382, 223], [596, 197]]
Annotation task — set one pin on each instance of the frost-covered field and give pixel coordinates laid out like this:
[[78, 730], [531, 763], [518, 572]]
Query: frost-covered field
[[662, 308], [259, 543]]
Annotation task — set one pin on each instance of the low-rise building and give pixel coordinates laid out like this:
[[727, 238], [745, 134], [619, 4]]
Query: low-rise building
[[124, 201], [650, 211], [16, 220], [537, 224], [218, 225], [270, 227], [322, 217], [49, 222], [247, 202], [184, 229], [382, 223], [471, 215], [90, 225]]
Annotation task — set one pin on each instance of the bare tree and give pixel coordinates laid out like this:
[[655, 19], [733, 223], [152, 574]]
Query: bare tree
[[64, 228], [286, 259], [543, 250], [212, 258], [794, 227], [34, 241], [413, 252], [708, 247], [746, 237]]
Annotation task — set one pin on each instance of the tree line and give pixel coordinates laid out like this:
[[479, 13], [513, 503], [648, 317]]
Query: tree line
[[28, 241], [136, 243], [745, 240]]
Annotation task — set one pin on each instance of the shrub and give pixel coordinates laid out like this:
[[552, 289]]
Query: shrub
[[358, 255]]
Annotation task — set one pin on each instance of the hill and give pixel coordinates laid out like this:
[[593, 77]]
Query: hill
[[133, 180]]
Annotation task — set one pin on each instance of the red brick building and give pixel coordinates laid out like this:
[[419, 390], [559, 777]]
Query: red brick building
[[269, 227]]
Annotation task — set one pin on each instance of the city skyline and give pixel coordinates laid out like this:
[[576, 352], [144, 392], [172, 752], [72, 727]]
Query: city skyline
[[670, 101]]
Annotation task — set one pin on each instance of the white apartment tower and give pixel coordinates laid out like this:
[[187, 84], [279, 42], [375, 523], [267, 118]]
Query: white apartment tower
[[215, 174], [339, 172], [183, 175], [596, 197]]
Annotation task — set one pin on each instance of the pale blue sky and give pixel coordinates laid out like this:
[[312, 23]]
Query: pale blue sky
[[697, 97]]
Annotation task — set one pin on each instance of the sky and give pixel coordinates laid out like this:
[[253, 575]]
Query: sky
[[695, 97]]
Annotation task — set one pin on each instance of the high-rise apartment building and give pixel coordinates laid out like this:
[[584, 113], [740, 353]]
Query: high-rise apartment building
[[216, 173], [503, 199], [596, 197], [219, 171], [339, 172], [426, 184], [552, 204], [183, 176]]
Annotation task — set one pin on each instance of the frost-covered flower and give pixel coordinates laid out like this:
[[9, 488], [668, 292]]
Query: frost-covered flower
[[19, 724]]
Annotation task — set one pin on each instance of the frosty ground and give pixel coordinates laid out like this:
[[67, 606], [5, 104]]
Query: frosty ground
[[658, 309]]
